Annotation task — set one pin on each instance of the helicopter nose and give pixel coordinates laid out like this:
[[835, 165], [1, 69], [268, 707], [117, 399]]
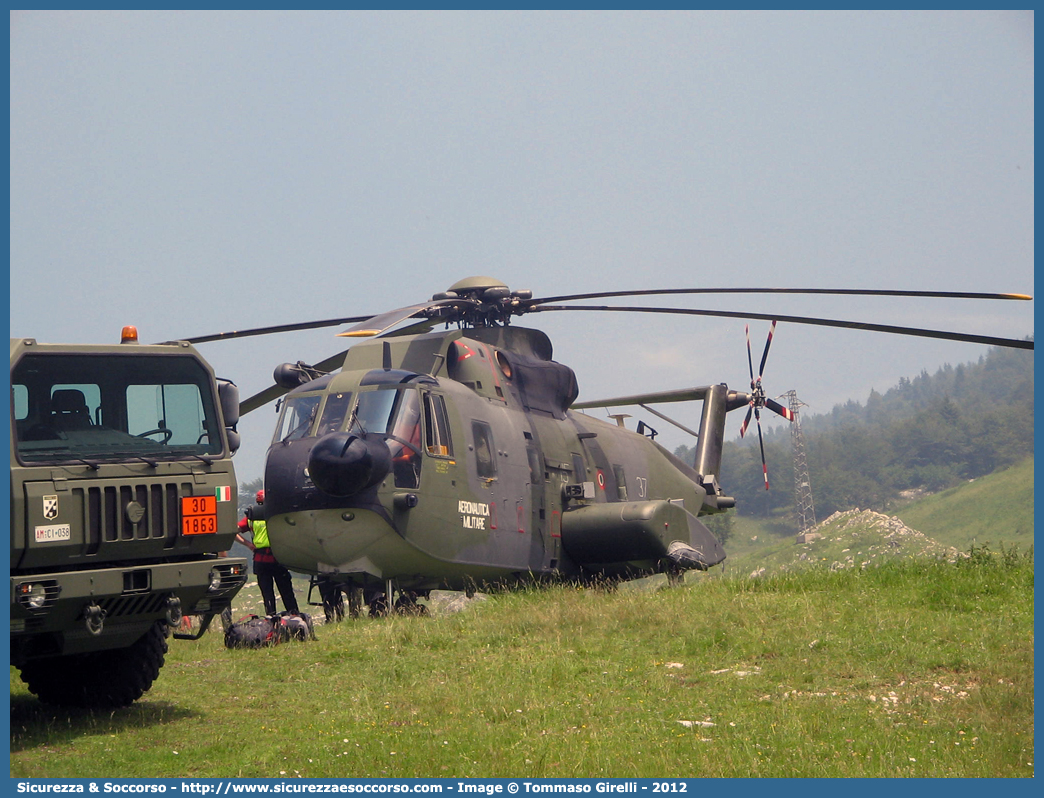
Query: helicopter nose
[[343, 464]]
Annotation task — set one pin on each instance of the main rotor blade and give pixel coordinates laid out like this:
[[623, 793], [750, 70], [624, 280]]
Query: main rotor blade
[[273, 392], [279, 328], [314, 325], [269, 394], [331, 363], [828, 291], [417, 328], [375, 325], [1013, 343]]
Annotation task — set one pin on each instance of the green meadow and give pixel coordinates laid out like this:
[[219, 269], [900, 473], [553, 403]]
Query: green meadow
[[916, 667]]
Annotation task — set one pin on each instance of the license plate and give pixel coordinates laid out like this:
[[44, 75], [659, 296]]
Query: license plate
[[56, 532], [199, 515]]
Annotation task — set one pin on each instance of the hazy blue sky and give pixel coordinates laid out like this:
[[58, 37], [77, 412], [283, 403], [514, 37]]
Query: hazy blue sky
[[192, 172]]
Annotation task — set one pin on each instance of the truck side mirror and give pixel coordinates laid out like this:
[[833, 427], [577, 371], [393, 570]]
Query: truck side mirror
[[228, 396]]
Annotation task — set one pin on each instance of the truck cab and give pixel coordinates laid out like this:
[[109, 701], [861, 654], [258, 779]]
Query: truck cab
[[123, 506]]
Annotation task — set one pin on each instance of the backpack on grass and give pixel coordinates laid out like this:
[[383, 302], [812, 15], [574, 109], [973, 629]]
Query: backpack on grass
[[258, 631]]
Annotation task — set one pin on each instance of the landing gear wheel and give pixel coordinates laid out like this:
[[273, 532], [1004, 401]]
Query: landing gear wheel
[[355, 602], [333, 600], [378, 606], [407, 604], [114, 678]]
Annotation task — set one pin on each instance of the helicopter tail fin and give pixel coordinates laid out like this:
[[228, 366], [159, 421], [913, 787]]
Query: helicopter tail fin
[[717, 401]]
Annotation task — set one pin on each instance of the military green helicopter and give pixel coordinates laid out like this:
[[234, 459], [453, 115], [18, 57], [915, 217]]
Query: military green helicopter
[[425, 458]]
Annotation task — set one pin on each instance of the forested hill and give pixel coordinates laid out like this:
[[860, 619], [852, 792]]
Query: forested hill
[[928, 432]]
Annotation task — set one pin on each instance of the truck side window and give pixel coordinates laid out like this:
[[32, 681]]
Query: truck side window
[[20, 402], [485, 461]]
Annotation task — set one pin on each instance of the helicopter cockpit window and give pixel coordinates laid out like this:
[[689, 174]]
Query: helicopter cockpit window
[[297, 418], [404, 441], [374, 412], [334, 413], [397, 414], [485, 462], [437, 436]]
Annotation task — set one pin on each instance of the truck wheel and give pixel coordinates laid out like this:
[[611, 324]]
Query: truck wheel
[[114, 678]]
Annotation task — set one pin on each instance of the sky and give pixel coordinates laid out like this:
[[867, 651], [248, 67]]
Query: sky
[[193, 172]]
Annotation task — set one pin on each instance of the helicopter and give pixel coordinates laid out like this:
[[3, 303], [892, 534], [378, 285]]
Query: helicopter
[[424, 458]]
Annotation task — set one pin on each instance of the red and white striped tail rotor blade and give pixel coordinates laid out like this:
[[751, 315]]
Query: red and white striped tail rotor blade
[[746, 421], [750, 357], [761, 442], [779, 409], [768, 343]]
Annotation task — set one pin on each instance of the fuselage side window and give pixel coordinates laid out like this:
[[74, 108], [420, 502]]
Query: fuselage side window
[[404, 436], [485, 460], [437, 436], [621, 482]]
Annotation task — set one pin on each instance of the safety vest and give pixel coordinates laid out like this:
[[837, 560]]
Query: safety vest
[[260, 529]]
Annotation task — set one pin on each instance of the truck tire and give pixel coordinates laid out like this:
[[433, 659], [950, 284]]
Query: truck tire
[[100, 679]]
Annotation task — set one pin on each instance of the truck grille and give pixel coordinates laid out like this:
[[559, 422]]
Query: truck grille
[[123, 606], [107, 519]]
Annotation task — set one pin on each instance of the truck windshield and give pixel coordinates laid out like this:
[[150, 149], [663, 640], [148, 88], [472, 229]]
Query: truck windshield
[[108, 407]]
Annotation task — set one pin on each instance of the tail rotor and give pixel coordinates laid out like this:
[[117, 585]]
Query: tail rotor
[[758, 399]]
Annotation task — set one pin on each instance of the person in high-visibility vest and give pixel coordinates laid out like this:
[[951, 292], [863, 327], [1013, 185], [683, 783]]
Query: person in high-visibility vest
[[266, 568]]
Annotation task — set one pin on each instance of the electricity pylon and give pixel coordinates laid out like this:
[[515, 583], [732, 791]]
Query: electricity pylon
[[803, 506]]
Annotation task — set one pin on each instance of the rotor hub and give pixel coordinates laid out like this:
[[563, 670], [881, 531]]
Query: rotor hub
[[484, 302]]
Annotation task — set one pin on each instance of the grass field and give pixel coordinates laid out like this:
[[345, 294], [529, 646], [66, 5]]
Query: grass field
[[994, 509], [917, 667]]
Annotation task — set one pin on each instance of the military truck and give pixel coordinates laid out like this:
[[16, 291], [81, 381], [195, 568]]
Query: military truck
[[123, 506]]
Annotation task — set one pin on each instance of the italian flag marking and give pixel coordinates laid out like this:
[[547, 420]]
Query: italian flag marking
[[223, 493]]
